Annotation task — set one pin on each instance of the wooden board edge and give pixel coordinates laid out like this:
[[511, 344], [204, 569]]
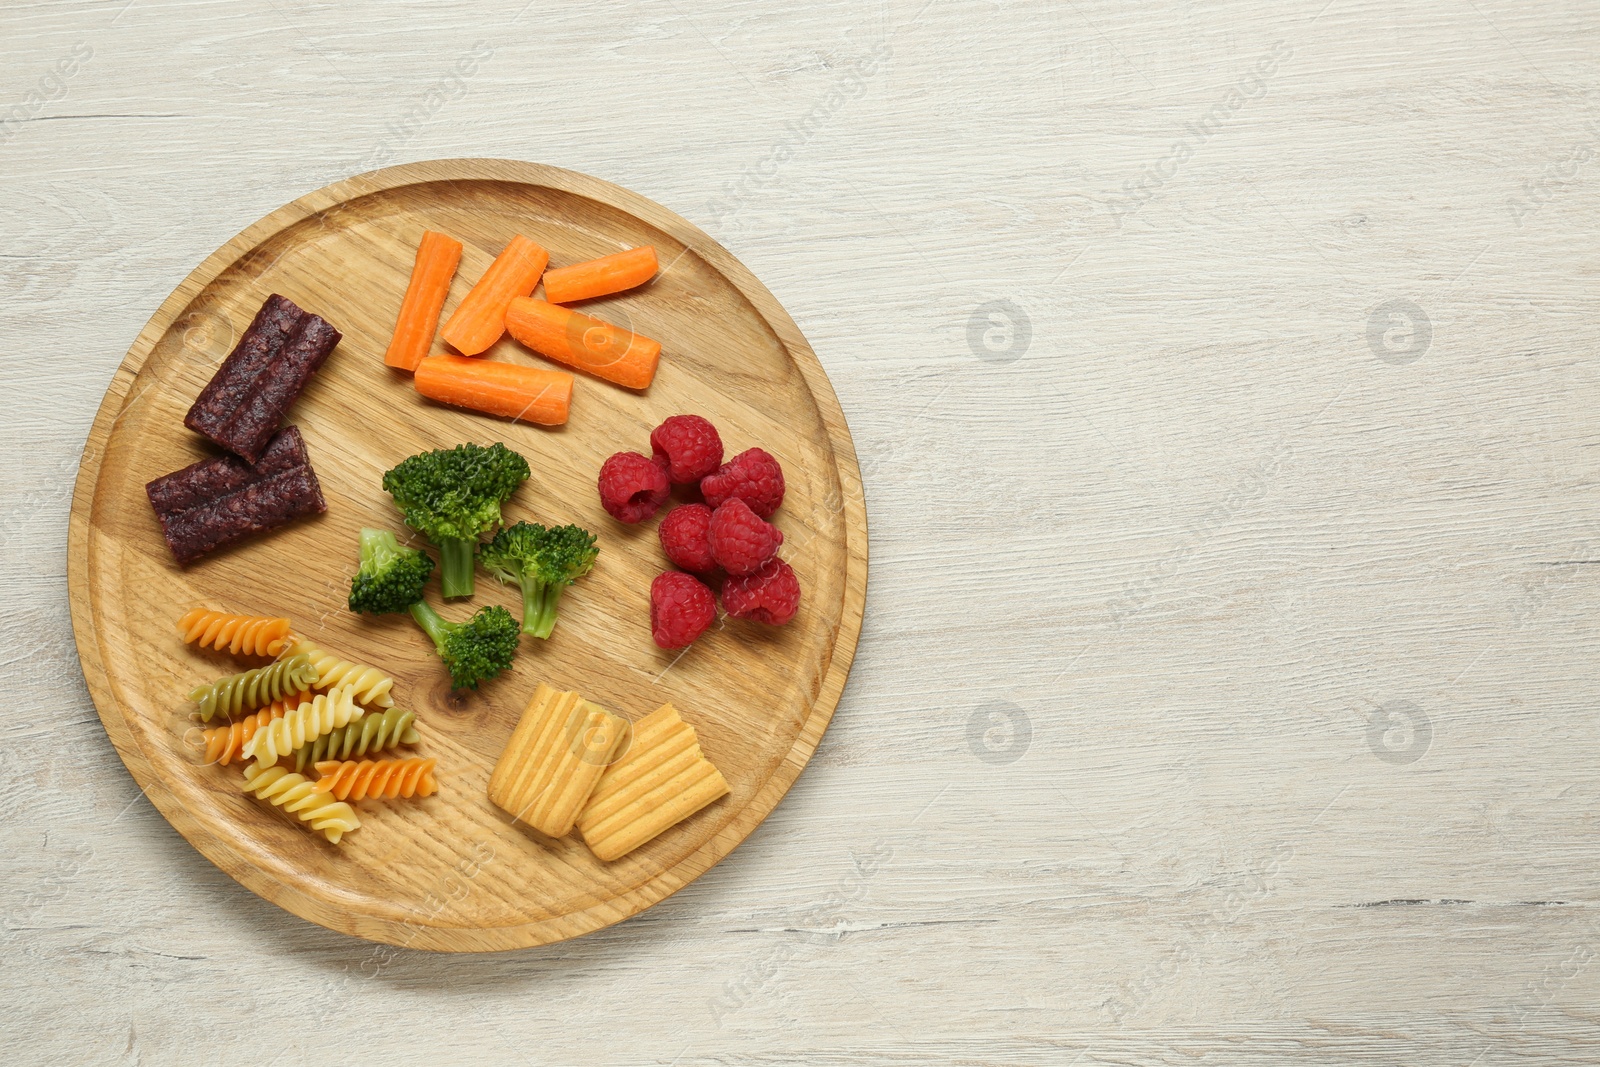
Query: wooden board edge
[[847, 627]]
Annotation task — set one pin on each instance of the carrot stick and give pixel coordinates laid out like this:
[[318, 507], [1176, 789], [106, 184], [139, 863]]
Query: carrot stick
[[531, 394], [438, 255], [600, 277], [480, 318], [585, 343]]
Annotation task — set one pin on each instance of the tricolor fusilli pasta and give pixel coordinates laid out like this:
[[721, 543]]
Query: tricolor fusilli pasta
[[294, 793], [371, 685], [253, 688], [310, 720], [248, 635], [223, 743], [372, 732], [385, 778]]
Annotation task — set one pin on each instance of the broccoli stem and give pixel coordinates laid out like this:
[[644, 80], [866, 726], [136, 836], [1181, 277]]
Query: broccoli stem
[[455, 571], [433, 624], [378, 544], [539, 603]]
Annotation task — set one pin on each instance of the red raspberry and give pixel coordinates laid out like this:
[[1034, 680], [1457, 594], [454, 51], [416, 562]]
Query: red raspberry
[[689, 446], [740, 539], [753, 476], [632, 487], [685, 538], [681, 608], [770, 595]]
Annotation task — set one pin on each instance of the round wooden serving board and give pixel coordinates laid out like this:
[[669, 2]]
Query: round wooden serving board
[[452, 872]]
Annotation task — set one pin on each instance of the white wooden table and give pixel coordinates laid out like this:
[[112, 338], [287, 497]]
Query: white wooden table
[[1223, 378]]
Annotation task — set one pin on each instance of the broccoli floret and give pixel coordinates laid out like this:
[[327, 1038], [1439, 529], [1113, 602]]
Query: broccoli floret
[[391, 577], [452, 496], [475, 650], [543, 561]]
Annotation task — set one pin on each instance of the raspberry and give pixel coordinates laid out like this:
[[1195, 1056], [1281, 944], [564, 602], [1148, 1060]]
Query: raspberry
[[740, 539], [681, 608], [632, 487], [685, 538], [770, 595], [689, 446], [753, 476]]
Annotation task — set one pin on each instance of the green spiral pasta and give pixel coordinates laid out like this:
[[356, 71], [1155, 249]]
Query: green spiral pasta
[[371, 733], [254, 688]]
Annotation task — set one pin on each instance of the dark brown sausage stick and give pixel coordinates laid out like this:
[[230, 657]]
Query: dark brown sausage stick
[[216, 502], [246, 400]]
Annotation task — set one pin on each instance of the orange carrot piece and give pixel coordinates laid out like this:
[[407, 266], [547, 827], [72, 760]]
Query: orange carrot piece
[[480, 318], [582, 342], [531, 394], [601, 277], [438, 255]]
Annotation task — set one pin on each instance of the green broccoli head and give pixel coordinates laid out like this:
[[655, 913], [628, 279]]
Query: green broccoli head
[[473, 651], [453, 495], [543, 561], [391, 576]]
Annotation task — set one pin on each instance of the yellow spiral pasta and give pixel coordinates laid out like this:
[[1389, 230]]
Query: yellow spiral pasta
[[253, 688], [385, 778], [372, 732], [225, 742], [310, 720], [294, 793], [249, 635], [372, 685]]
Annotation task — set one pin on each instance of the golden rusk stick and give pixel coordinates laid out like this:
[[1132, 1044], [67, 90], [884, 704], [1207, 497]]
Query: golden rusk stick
[[554, 758], [661, 780]]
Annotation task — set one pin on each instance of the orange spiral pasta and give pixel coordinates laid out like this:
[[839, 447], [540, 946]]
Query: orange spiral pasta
[[225, 742], [386, 778], [249, 635]]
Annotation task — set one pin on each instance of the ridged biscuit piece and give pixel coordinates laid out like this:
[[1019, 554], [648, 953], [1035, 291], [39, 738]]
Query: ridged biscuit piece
[[660, 781], [554, 758]]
